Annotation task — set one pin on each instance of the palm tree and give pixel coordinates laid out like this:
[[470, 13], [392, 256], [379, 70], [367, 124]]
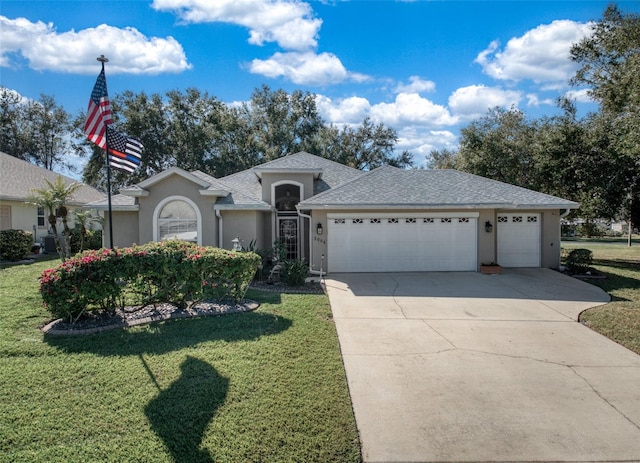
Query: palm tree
[[83, 220], [54, 199]]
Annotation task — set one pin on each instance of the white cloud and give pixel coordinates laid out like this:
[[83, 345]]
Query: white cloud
[[416, 85], [422, 141], [348, 111], [581, 96], [474, 101], [289, 23], [305, 68], [129, 51], [534, 100], [412, 109], [540, 55]]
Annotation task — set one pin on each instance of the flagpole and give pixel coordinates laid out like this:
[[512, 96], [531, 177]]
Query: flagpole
[[103, 60]]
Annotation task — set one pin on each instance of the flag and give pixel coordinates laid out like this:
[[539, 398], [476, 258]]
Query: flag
[[98, 112], [125, 153]]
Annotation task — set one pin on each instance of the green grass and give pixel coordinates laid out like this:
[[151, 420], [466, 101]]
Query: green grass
[[262, 386], [620, 319]]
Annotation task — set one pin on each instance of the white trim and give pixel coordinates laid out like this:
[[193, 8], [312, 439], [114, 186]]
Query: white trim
[[161, 204], [386, 215], [510, 207], [173, 170], [274, 214]]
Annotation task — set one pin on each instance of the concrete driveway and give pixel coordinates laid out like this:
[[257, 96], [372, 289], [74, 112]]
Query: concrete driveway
[[471, 367]]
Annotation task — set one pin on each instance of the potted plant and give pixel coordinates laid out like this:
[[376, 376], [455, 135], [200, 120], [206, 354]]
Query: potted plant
[[491, 268]]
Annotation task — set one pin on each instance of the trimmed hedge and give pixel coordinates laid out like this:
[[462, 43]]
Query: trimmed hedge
[[579, 260], [15, 244], [172, 271]]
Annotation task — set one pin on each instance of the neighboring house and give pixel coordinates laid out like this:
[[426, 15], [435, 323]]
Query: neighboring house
[[17, 180], [341, 219]]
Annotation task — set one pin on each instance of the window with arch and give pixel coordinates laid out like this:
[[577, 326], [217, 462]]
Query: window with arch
[[178, 220]]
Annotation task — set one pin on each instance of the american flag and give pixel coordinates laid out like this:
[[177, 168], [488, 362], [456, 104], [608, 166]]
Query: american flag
[[98, 112], [124, 152]]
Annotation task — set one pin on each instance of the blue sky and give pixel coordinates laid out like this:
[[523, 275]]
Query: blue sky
[[423, 68]]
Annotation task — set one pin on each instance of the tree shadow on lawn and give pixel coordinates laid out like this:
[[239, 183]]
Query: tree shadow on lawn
[[180, 414], [170, 336]]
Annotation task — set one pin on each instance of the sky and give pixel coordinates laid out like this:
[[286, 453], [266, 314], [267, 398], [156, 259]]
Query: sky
[[424, 68]]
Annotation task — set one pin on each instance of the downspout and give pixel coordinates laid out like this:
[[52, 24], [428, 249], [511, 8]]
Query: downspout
[[311, 270], [220, 241], [565, 213]]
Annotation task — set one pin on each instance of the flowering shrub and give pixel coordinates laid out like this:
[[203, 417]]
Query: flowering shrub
[[171, 271]]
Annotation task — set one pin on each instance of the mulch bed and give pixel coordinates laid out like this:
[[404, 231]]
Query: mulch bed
[[96, 322]]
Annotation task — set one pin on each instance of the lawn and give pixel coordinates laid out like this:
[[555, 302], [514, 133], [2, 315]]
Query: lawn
[[261, 386], [620, 319]]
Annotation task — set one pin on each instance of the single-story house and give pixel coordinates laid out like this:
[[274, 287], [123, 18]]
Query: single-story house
[[341, 219], [17, 180]]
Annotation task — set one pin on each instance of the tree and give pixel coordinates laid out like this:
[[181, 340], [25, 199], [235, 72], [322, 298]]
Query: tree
[[500, 146], [443, 159], [609, 61], [54, 200], [364, 147], [280, 123], [35, 131]]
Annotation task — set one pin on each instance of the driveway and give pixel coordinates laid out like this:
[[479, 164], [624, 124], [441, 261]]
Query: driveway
[[471, 367]]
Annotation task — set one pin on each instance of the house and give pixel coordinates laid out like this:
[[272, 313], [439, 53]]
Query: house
[[341, 219], [17, 180]]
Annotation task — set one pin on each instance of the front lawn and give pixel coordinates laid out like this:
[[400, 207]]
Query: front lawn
[[262, 386], [620, 319]]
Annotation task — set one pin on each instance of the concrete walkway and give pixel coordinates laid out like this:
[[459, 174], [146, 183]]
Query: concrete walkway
[[446, 367]]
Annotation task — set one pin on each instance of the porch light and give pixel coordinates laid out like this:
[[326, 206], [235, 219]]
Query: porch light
[[488, 227], [237, 244], [319, 229]]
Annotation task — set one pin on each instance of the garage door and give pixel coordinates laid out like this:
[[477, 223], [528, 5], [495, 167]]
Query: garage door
[[518, 240], [402, 243]]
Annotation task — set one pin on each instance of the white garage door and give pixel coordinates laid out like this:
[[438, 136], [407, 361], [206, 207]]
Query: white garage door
[[518, 240], [402, 243]]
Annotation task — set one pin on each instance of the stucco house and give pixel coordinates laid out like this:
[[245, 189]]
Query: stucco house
[[17, 180], [341, 219]]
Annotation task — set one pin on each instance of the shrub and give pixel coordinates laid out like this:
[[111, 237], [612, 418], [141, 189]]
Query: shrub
[[294, 272], [15, 244], [589, 229], [579, 260], [92, 240], [172, 271]]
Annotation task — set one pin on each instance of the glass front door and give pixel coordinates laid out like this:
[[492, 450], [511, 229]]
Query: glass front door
[[288, 235]]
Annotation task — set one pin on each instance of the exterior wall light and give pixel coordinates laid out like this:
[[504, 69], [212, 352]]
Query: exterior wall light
[[488, 227], [236, 244], [319, 229]]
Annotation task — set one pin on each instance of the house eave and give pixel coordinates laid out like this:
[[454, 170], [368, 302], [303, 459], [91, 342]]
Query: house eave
[[242, 207], [215, 193], [439, 206], [104, 207], [134, 192], [317, 173]]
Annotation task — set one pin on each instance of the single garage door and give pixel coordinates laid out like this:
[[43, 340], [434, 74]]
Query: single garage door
[[402, 243], [518, 239]]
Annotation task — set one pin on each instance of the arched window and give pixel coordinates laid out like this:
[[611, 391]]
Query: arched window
[[177, 219]]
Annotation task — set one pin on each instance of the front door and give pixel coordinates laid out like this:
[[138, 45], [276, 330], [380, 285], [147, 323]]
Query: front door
[[288, 235]]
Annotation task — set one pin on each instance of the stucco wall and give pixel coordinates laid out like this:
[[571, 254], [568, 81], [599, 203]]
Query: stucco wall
[[486, 241], [269, 179], [176, 185], [25, 217], [125, 229], [551, 239], [242, 224]]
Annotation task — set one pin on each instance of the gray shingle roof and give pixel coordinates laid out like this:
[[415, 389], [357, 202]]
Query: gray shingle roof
[[390, 186], [332, 174], [18, 178]]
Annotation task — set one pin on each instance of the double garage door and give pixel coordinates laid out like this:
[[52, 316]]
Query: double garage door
[[402, 242]]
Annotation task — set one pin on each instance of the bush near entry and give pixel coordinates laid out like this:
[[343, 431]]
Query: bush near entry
[[172, 271], [15, 244]]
